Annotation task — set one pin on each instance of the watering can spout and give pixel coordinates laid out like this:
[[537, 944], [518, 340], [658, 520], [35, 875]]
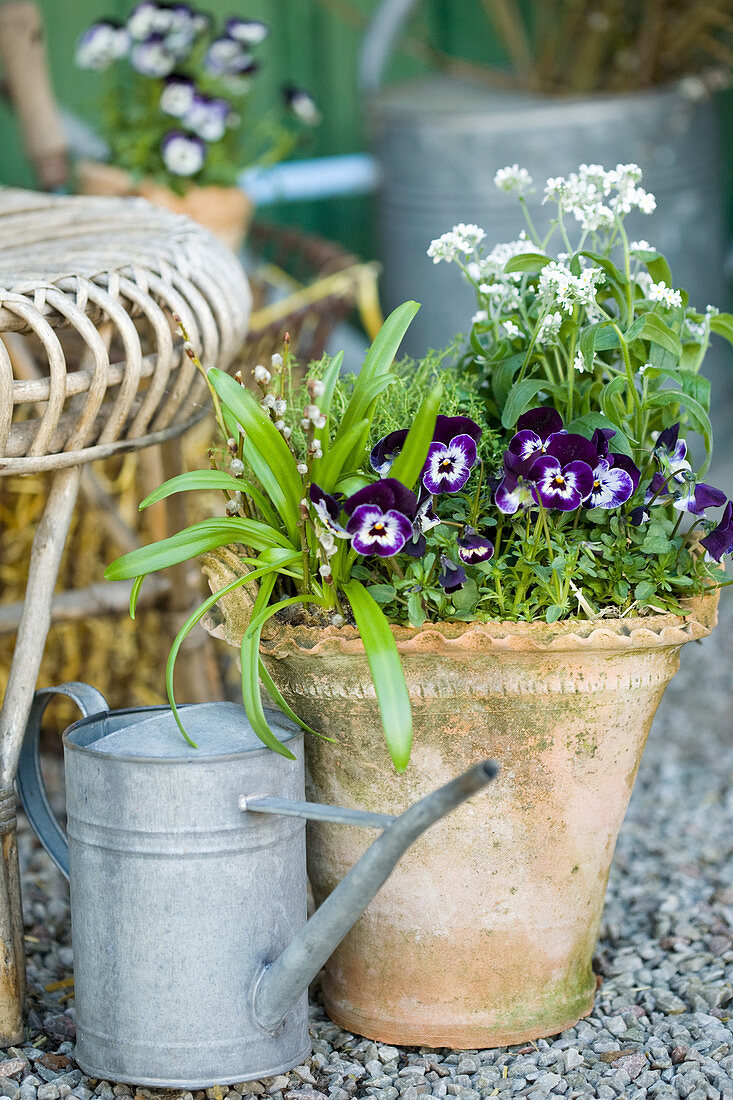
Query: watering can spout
[[282, 984]]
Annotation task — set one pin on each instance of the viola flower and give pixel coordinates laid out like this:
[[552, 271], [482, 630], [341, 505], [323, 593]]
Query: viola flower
[[448, 466], [515, 494], [328, 509], [385, 451], [250, 32], [381, 517], [657, 488], [698, 497], [452, 576], [474, 548], [611, 486], [535, 430], [446, 428], [671, 452], [564, 474], [302, 104], [101, 45], [207, 118], [152, 57], [720, 539], [225, 57], [143, 20], [177, 95], [639, 515], [183, 154]]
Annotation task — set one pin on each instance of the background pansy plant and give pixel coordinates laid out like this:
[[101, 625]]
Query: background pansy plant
[[179, 104], [543, 473]]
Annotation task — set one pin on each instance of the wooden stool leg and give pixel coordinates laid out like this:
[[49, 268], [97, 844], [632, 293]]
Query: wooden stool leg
[[48, 546]]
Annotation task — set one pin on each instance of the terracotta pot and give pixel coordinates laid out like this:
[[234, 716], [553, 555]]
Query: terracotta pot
[[484, 934], [224, 211]]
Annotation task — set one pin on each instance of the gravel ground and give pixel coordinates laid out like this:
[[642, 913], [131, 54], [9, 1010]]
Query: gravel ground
[[663, 1021]]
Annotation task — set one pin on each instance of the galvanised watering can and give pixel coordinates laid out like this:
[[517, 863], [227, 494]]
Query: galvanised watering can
[[192, 953]]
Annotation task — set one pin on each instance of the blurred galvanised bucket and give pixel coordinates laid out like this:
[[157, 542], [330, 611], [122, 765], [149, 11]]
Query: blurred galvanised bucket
[[440, 141]]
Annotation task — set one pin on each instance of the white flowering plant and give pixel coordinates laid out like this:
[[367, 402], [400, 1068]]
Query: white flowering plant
[[179, 104]]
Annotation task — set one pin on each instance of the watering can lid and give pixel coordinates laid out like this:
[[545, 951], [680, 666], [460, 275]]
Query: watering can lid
[[218, 729]]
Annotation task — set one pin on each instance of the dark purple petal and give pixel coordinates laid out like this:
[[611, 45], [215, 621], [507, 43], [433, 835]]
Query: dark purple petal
[[386, 450], [416, 546], [387, 493], [561, 487], [623, 462], [611, 487], [699, 497], [667, 440], [452, 576], [448, 466], [375, 531], [448, 427], [515, 494], [474, 548], [542, 421], [639, 515], [572, 448], [720, 540], [656, 488], [328, 510], [600, 439]]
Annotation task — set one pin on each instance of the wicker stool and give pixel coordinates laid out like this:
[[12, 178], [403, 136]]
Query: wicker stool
[[89, 286]]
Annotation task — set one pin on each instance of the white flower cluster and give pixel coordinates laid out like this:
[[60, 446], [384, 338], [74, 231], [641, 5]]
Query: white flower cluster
[[513, 178], [660, 292], [579, 363], [558, 284], [583, 194], [549, 328], [461, 240]]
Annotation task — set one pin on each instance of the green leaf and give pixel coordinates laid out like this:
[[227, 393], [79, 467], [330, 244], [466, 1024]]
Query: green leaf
[[588, 341], [586, 425], [415, 609], [609, 398], [134, 593], [384, 348], [382, 593], [274, 692], [327, 470], [660, 270], [653, 328], [386, 669], [264, 449], [411, 459], [191, 622], [502, 377], [722, 325], [553, 613], [519, 398], [696, 414], [697, 387], [644, 590], [208, 480], [330, 377], [192, 541], [250, 675], [361, 408], [527, 261], [608, 267]]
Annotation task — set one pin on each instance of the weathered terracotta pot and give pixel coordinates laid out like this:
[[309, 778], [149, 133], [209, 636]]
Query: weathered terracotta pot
[[224, 211], [484, 934]]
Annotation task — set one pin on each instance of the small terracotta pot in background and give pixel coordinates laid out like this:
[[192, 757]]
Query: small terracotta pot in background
[[484, 934], [224, 211]]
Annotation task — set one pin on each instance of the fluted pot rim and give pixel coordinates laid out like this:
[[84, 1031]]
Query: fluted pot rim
[[639, 632]]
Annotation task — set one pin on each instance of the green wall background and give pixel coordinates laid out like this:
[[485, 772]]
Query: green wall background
[[314, 43]]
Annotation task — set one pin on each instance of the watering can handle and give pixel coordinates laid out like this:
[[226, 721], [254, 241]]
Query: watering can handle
[[379, 41], [31, 788]]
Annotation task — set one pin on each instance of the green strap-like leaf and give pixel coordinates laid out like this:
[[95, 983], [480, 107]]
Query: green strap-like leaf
[[194, 618], [274, 692], [250, 675], [329, 380], [411, 459], [386, 669], [212, 479], [527, 261], [387, 341], [327, 470], [192, 541], [264, 449]]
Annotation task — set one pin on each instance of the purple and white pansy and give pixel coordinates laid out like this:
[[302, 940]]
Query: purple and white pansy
[[451, 576], [448, 465], [546, 465], [380, 517], [183, 154], [177, 95], [250, 32], [474, 548], [671, 453]]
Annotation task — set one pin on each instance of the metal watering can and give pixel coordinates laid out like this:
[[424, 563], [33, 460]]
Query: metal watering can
[[192, 949]]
